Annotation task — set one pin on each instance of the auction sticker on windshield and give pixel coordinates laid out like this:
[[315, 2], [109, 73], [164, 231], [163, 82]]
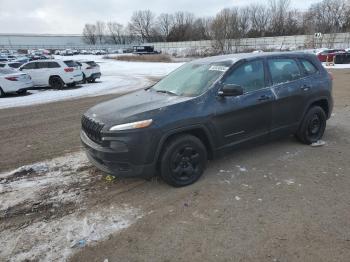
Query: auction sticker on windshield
[[218, 68]]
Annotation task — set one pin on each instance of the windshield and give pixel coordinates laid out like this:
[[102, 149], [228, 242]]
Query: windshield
[[192, 79]]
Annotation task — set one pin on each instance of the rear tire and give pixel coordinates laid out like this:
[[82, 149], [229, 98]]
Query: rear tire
[[313, 126], [2, 93], [183, 161], [22, 92], [56, 82], [92, 80]]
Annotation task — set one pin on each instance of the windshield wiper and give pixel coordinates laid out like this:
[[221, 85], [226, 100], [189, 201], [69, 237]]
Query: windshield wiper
[[166, 92]]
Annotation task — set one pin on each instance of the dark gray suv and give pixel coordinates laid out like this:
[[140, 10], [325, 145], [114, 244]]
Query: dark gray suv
[[205, 108]]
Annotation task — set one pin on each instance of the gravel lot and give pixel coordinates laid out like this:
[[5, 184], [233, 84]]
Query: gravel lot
[[280, 201]]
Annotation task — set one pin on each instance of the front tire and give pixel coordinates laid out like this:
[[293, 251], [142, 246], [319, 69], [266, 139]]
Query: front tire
[[313, 126], [183, 161]]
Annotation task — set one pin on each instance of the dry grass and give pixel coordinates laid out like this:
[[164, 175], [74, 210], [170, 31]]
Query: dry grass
[[144, 58]]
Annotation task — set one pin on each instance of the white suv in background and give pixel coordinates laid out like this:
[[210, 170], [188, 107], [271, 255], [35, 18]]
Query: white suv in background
[[91, 70], [53, 73]]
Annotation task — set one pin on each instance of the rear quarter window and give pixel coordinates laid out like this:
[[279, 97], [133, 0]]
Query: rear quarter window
[[30, 66], [283, 70], [309, 67], [71, 63], [53, 65]]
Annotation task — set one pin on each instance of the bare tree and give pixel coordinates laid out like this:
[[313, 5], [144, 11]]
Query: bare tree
[[259, 16], [165, 23], [278, 13], [100, 31], [89, 34], [142, 24], [115, 32]]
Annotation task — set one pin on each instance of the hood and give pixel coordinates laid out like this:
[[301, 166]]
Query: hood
[[140, 105]]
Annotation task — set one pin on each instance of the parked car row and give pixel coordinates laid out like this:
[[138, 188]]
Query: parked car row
[[55, 73], [328, 55]]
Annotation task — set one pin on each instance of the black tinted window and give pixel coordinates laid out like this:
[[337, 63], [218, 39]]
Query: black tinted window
[[30, 66], [15, 65], [71, 63], [2, 65], [53, 65], [250, 76], [309, 67], [43, 65], [283, 70]]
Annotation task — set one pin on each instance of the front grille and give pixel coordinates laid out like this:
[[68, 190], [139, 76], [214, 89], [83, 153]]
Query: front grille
[[92, 129]]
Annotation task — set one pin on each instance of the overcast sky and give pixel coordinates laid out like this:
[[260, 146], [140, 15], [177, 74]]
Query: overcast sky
[[69, 16]]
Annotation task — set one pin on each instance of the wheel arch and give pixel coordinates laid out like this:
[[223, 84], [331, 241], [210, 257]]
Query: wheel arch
[[322, 102], [199, 131]]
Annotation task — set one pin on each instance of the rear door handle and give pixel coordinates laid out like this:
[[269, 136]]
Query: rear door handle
[[305, 87], [264, 98]]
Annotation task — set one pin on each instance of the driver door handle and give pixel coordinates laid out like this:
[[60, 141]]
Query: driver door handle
[[305, 87], [264, 98]]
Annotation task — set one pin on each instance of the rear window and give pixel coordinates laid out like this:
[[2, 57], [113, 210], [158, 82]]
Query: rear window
[[283, 70], [71, 63], [309, 67]]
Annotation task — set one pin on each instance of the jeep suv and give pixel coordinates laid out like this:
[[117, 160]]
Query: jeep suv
[[54, 73], [205, 108]]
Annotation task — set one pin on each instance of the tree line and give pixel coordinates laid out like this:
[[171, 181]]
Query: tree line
[[275, 18]]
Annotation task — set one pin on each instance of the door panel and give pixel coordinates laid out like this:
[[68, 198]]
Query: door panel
[[243, 117], [249, 115], [288, 89]]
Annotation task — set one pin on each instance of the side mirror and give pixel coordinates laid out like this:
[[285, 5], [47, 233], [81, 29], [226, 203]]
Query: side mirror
[[231, 90]]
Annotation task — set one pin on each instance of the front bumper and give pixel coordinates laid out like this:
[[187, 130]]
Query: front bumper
[[115, 161]]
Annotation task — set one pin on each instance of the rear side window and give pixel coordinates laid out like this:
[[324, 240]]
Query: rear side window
[[53, 65], [15, 65], [283, 70], [43, 65], [71, 63], [250, 76], [309, 67], [30, 66]]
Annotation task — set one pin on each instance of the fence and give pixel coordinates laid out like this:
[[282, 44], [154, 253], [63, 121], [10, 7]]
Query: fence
[[340, 40]]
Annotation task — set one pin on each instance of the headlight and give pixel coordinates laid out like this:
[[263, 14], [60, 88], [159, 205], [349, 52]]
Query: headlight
[[134, 125]]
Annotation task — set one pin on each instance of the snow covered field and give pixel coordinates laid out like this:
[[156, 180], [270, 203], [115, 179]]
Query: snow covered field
[[117, 77]]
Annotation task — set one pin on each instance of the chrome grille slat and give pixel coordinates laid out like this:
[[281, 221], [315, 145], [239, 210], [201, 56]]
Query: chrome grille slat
[[92, 129]]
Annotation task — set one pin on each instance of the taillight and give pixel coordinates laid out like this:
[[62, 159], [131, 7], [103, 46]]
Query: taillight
[[12, 78], [69, 69]]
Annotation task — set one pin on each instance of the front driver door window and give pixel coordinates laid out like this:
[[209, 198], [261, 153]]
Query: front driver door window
[[248, 115]]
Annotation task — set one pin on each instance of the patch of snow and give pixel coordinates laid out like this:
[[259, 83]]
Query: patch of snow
[[337, 66], [56, 239], [319, 143], [289, 182], [242, 169], [237, 198], [19, 186]]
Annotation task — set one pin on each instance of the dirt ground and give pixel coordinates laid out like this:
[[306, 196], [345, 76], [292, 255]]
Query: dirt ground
[[281, 201]]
